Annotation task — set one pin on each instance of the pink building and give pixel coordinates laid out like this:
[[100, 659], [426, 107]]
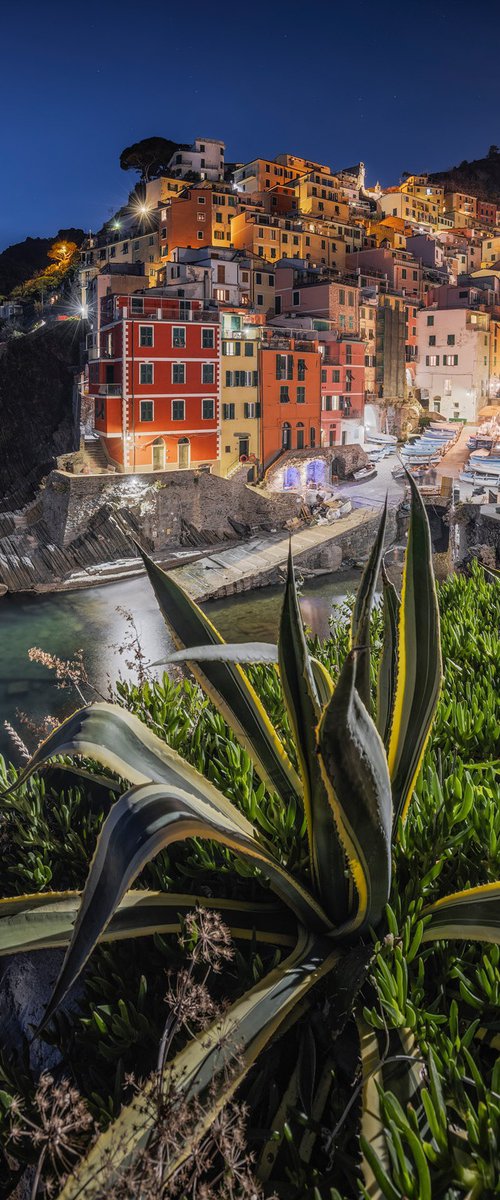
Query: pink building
[[403, 272], [304, 292]]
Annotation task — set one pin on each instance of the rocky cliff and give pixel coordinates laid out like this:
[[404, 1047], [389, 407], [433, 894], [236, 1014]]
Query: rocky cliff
[[38, 417]]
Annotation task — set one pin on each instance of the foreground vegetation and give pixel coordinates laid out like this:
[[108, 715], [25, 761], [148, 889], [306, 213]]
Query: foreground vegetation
[[411, 985]]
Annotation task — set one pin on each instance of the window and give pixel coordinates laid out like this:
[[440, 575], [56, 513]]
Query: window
[[200, 235], [430, 320], [258, 277], [99, 409], [284, 396], [201, 199], [231, 348], [146, 410], [341, 296], [323, 376], [260, 298], [286, 436], [208, 339], [207, 410], [301, 395], [248, 349], [251, 410], [178, 372], [432, 339], [228, 411], [136, 304], [145, 335], [447, 387], [178, 336], [300, 437], [403, 273], [335, 376], [450, 340], [178, 410], [432, 360], [450, 360], [312, 437], [301, 368], [145, 373], [295, 297], [207, 373]]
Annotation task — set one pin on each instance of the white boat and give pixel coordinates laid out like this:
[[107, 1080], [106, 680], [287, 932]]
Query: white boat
[[382, 439]]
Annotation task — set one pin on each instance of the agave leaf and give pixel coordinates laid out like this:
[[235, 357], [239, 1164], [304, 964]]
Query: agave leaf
[[304, 709], [46, 920], [354, 768], [390, 1061], [227, 685], [386, 686], [323, 681], [419, 660], [218, 1061], [361, 614], [121, 742], [471, 915], [233, 652], [144, 821]]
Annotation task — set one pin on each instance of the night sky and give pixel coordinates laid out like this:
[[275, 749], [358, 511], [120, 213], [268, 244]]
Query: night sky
[[401, 86]]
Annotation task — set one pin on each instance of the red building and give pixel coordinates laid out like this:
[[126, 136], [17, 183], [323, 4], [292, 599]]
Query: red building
[[411, 342], [290, 391], [156, 383], [342, 391]]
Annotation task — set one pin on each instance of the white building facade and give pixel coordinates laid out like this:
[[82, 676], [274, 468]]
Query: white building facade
[[453, 363]]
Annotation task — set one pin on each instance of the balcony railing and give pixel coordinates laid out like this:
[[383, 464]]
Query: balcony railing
[[110, 389], [156, 312]]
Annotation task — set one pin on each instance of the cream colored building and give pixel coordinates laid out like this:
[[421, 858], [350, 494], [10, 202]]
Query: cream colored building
[[240, 392]]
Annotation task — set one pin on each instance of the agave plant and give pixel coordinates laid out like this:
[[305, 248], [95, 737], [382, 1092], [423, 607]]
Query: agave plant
[[350, 795]]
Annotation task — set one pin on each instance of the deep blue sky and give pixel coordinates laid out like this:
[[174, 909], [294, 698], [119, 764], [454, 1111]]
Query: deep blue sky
[[401, 86]]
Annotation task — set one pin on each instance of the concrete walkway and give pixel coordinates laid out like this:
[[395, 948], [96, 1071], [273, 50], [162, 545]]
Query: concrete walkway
[[260, 561]]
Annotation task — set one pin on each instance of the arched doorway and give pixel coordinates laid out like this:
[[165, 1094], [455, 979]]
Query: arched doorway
[[286, 436], [159, 455], [300, 436], [183, 453]]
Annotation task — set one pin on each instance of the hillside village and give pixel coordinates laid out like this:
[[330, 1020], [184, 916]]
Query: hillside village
[[271, 322], [349, 308]]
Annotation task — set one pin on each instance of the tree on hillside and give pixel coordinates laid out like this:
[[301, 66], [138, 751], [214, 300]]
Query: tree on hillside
[[150, 156], [493, 151], [61, 253]]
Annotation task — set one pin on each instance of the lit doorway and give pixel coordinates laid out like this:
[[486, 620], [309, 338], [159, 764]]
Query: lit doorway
[[183, 453], [159, 455]]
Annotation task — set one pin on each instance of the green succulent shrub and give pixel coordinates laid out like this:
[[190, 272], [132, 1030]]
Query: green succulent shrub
[[339, 823]]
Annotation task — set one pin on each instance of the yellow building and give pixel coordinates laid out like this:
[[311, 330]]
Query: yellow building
[[417, 210], [317, 195], [491, 250], [273, 238], [462, 207], [240, 404]]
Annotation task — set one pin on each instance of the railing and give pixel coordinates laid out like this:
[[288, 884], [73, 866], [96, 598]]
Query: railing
[[110, 389], [156, 312]]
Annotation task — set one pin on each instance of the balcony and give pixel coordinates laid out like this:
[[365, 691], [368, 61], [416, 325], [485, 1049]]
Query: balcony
[[109, 389]]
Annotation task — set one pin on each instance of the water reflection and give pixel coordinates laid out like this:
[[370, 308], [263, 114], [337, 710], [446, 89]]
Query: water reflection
[[94, 620]]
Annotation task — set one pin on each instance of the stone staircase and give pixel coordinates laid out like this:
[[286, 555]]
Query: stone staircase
[[94, 455]]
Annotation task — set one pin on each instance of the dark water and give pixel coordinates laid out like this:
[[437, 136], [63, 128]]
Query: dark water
[[93, 620]]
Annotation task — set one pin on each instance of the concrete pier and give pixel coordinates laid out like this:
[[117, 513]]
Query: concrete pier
[[261, 561]]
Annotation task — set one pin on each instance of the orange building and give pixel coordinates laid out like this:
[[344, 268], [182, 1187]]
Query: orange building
[[199, 216], [290, 391]]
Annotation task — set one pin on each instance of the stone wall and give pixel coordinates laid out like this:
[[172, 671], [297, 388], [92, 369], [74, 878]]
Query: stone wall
[[479, 533], [164, 504]]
